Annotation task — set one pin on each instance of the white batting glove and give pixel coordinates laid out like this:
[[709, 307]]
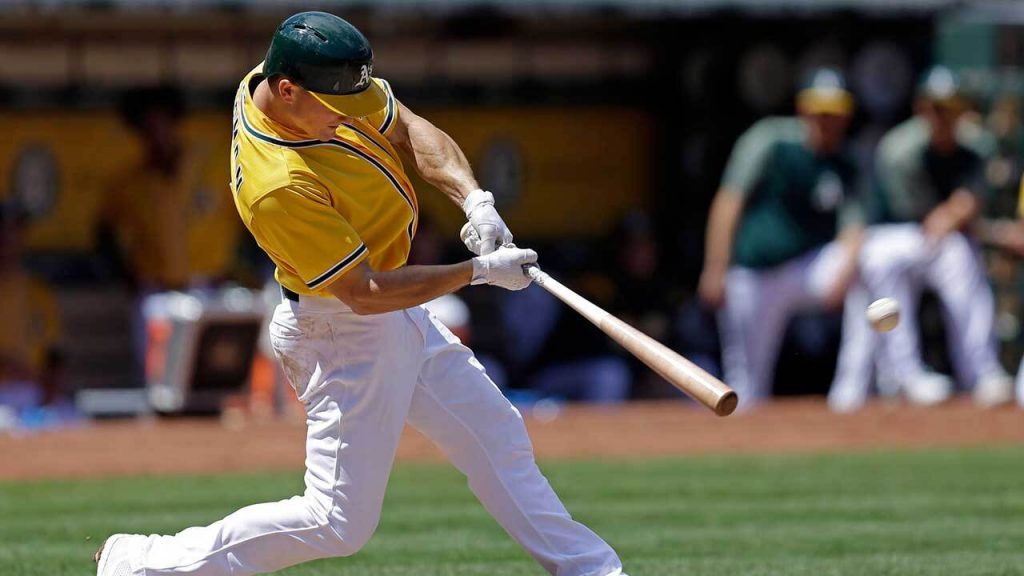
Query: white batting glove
[[470, 238], [504, 268], [485, 221]]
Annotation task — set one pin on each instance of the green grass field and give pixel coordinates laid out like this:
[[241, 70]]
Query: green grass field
[[947, 512]]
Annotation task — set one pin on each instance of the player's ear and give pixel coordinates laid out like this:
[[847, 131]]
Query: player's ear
[[286, 89]]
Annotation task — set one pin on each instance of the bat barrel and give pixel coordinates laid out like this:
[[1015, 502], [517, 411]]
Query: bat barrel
[[678, 371]]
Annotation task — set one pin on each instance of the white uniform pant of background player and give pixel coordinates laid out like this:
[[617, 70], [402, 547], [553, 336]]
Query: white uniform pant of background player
[[360, 379], [1020, 384], [759, 304], [897, 261]]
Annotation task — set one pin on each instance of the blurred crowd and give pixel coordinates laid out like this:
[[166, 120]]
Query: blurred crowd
[[803, 234]]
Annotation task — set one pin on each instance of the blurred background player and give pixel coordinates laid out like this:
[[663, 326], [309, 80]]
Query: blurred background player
[[30, 350], [784, 230], [168, 215], [167, 221], [1009, 235], [929, 190]]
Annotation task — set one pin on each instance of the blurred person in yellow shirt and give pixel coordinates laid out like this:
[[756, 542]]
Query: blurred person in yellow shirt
[[168, 217], [30, 333], [168, 221]]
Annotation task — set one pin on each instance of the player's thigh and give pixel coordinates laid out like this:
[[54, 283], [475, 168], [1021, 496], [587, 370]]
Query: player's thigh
[[956, 267], [890, 251], [757, 307], [355, 376], [456, 404]]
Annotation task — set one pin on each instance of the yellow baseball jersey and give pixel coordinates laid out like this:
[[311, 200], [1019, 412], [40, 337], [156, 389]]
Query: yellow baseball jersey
[[176, 228], [317, 208]]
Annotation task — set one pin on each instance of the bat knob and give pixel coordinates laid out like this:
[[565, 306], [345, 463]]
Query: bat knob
[[727, 404]]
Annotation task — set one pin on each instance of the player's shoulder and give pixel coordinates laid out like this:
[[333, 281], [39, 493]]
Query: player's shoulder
[[904, 141], [289, 171], [775, 130]]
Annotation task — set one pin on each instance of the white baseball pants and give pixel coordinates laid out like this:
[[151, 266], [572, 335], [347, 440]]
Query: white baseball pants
[[1020, 384], [896, 261], [758, 307], [361, 378]]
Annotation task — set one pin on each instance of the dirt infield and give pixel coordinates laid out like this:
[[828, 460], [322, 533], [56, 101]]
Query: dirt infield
[[636, 430]]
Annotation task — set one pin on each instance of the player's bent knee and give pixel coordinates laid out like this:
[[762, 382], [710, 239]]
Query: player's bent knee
[[350, 534]]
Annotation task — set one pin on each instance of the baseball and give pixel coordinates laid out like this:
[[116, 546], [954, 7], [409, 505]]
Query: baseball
[[884, 314]]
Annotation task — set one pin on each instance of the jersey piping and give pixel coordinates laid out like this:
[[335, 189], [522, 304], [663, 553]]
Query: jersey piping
[[298, 144]]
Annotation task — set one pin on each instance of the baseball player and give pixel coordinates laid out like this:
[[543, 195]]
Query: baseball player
[[1009, 235], [783, 232], [318, 182], [928, 191]]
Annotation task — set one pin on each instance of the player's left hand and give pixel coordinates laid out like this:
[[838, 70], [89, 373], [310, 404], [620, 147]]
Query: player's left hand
[[484, 220]]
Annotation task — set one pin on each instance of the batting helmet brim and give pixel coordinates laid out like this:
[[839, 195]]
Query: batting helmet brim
[[360, 104]]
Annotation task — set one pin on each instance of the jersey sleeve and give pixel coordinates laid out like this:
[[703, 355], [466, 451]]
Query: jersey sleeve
[[747, 161], [305, 233], [384, 120]]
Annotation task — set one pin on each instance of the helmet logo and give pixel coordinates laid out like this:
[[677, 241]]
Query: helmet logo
[[364, 75]]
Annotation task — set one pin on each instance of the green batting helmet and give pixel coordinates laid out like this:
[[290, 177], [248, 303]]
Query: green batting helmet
[[328, 57]]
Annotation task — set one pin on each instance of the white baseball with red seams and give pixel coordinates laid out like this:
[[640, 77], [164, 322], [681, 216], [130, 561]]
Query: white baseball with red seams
[[884, 314]]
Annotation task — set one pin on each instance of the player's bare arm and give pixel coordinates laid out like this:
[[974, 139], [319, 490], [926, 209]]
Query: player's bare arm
[[954, 214], [440, 161], [369, 292], [366, 291], [725, 215], [850, 240]]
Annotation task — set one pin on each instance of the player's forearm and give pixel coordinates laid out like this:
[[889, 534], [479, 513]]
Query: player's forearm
[[850, 240], [379, 292], [962, 207], [439, 160], [725, 214]]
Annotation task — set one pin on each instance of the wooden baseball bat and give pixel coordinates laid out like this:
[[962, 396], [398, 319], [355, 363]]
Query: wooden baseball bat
[[679, 371]]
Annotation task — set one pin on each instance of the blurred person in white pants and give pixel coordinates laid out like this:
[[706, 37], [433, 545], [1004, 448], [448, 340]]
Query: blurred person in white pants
[[1009, 235], [928, 192], [784, 231]]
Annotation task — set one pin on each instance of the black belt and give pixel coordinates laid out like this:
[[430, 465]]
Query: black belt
[[289, 295]]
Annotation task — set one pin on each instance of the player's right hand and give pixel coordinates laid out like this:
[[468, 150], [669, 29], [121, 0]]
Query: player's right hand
[[711, 288], [504, 268]]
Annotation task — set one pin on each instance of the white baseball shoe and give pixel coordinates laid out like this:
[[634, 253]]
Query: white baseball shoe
[[117, 555], [846, 399], [993, 390], [928, 389]]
